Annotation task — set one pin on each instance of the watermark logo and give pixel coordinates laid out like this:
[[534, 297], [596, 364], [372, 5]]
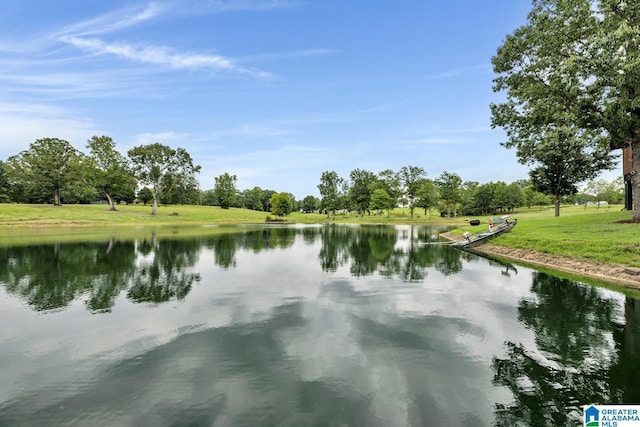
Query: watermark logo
[[611, 415]]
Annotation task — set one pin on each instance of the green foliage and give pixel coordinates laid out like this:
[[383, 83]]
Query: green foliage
[[145, 195], [310, 204], [410, 179], [570, 75], [331, 189], [360, 189], [450, 187], [427, 194], [49, 165], [161, 167], [381, 200], [225, 190], [109, 171], [281, 204]]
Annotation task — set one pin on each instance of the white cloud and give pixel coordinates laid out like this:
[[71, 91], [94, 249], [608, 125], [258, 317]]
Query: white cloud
[[162, 55], [114, 21], [22, 124]]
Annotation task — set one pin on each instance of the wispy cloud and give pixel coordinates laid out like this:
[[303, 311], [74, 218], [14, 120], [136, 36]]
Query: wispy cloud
[[113, 21], [161, 55], [455, 72]]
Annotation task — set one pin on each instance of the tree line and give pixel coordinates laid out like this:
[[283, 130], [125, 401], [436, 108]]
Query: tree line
[[53, 171]]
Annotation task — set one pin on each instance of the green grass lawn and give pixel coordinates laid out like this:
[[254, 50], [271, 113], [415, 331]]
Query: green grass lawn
[[598, 235]]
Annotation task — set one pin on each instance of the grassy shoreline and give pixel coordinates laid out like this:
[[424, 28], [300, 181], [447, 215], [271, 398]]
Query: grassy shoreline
[[593, 235]]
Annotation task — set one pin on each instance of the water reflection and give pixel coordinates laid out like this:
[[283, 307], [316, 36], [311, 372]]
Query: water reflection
[[153, 270], [322, 325], [577, 355]]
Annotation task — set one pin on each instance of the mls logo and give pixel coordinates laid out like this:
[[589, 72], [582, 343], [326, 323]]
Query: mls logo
[[591, 417]]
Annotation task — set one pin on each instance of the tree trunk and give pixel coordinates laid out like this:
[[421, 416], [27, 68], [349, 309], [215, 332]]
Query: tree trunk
[[557, 206], [112, 207], [154, 208], [635, 179], [56, 197]]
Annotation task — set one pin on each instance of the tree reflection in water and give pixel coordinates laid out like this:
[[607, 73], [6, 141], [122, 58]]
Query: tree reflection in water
[[580, 342]]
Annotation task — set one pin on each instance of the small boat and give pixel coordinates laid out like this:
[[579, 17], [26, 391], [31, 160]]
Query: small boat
[[497, 226]]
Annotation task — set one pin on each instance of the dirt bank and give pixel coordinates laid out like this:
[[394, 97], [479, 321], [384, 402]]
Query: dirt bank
[[616, 273]]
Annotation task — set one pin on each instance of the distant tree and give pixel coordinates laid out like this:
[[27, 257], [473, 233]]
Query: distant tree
[[330, 187], [49, 165], [360, 189], [154, 163], [225, 190], [606, 191], [145, 195], [449, 185], [484, 198], [253, 199], [183, 190], [5, 192], [281, 204], [266, 197], [389, 181], [562, 163], [110, 172], [427, 195], [208, 198], [381, 200], [410, 177], [310, 204]]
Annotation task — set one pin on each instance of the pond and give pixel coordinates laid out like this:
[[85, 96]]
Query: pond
[[302, 325]]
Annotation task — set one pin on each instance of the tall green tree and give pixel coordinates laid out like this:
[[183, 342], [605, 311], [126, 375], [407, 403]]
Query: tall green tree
[[389, 181], [110, 172], [225, 190], [571, 76], [427, 195], [562, 163], [410, 178], [330, 187], [281, 204], [5, 192], [50, 165], [153, 163], [450, 187], [381, 200], [360, 189], [310, 204]]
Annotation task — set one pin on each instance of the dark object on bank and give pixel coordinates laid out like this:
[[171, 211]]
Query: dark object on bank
[[474, 222]]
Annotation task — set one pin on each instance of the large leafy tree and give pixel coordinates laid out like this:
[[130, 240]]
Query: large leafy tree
[[380, 200], [330, 188], [571, 73], [427, 195], [310, 203], [110, 171], [4, 184], [410, 178], [561, 162], [225, 190], [281, 204], [361, 189], [49, 165], [450, 186], [153, 163]]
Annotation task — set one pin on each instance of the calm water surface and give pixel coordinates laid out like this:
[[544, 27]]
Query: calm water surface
[[297, 326]]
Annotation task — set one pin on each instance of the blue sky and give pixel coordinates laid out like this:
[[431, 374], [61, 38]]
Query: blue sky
[[274, 91]]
